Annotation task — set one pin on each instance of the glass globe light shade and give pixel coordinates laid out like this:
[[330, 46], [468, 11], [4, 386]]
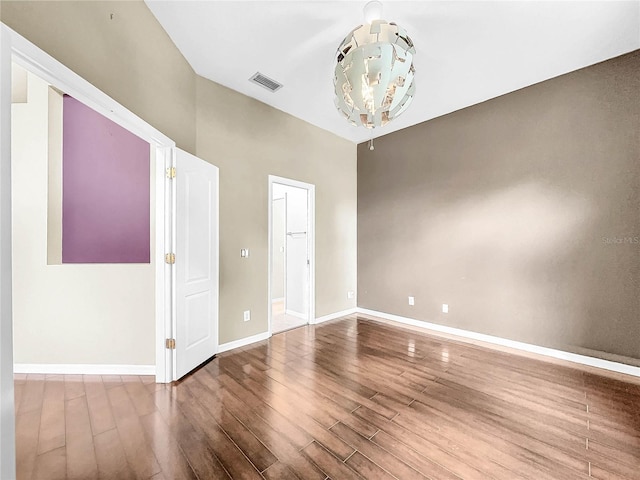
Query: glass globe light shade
[[374, 74]]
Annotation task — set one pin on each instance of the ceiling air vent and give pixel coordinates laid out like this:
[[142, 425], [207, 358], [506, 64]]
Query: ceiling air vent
[[265, 82]]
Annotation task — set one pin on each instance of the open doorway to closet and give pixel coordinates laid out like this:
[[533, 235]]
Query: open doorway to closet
[[291, 242]]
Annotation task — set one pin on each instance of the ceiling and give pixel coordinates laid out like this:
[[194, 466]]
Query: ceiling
[[467, 52]]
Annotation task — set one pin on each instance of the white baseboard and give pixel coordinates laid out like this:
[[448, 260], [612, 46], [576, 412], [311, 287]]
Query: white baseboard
[[293, 313], [333, 316], [243, 342], [83, 369], [527, 347]]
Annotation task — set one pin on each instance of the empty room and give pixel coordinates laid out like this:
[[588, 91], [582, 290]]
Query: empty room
[[319, 240]]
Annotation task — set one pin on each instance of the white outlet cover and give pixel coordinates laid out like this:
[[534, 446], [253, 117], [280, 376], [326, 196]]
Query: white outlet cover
[[247, 315], [351, 294], [412, 300], [445, 308]]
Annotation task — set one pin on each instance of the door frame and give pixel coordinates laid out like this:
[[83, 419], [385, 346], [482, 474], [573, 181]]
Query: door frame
[[311, 242], [16, 48], [7, 411]]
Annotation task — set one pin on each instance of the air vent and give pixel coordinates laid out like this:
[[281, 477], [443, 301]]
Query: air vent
[[265, 82]]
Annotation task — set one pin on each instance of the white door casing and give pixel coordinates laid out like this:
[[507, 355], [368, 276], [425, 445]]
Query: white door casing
[[7, 418], [310, 307], [196, 267]]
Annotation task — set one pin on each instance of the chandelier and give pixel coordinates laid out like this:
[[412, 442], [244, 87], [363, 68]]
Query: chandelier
[[374, 72]]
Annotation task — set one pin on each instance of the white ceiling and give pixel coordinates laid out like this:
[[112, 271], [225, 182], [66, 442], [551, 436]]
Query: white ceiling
[[467, 51]]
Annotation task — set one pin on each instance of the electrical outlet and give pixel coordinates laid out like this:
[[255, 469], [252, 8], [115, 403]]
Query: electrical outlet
[[412, 300], [351, 294], [445, 308], [247, 315], [244, 252]]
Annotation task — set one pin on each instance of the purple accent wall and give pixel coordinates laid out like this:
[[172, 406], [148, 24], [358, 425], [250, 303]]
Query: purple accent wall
[[105, 189]]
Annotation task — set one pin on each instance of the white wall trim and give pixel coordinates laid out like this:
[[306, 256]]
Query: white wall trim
[[80, 369], [527, 347], [333, 316], [243, 342]]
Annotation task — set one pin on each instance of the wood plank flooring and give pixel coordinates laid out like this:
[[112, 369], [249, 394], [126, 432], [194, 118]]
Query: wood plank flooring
[[349, 399]]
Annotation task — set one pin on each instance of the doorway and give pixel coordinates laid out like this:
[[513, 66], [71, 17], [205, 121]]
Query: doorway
[[291, 247], [16, 49], [77, 249], [105, 248], [19, 51]]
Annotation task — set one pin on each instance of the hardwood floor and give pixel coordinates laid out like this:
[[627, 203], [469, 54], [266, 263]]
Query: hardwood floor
[[349, 399]]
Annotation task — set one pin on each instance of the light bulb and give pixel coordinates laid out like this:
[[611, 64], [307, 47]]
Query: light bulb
[[372, 11]]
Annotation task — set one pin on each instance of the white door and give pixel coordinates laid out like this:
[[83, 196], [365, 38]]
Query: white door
[[196, 249]]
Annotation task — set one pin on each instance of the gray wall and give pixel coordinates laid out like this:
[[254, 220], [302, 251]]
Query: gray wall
[[522, 213]]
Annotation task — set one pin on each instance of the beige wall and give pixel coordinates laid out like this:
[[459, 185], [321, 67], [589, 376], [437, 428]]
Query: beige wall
[[249, 141], [132, 59], [68, 314], [509, 211], [129, 57]]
